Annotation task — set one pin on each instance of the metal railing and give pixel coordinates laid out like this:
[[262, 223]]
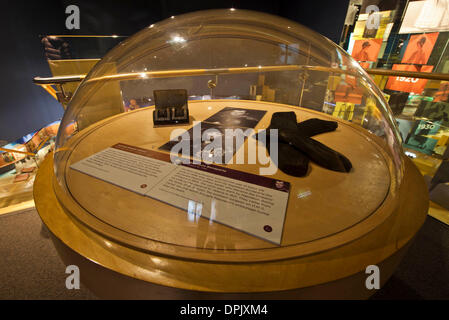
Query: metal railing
[[64, 97]]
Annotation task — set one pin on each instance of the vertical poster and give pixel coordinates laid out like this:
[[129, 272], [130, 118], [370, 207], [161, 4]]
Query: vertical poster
[[420, 138], [419, 48], [348, 91], [366, 49], [385, 24]]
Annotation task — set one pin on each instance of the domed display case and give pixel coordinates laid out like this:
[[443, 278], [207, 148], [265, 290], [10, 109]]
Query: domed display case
[[296, 212]]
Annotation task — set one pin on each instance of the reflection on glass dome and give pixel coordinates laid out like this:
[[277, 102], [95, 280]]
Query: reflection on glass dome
[[240, 69]]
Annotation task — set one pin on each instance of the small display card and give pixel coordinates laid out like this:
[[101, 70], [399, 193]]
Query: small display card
[[247, 202]]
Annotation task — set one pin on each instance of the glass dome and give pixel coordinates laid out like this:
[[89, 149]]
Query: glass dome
[[242, 64]]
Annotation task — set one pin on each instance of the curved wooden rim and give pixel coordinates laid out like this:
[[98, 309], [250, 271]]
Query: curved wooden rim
[[305, 271]]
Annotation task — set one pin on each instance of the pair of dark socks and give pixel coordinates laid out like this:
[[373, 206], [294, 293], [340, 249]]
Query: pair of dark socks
[[296, 147]]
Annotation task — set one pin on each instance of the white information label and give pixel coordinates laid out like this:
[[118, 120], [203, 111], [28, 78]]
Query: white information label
[[250, 203]]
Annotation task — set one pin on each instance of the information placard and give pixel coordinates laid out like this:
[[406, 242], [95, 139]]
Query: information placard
[[247, 202]]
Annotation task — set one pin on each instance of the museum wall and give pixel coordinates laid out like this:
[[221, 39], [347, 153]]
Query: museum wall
[[25, 107]]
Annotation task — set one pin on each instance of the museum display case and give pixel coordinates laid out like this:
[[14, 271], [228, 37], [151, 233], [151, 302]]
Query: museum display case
[[266, 181]]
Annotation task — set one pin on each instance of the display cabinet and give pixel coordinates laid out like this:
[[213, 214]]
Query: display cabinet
[[313, 193]]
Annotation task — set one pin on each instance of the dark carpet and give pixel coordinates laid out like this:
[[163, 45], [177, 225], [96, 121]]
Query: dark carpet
[[424, 271], [31, 269]]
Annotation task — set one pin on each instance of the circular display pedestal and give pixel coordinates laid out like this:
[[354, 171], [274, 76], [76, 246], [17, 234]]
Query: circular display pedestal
[[336, 224]]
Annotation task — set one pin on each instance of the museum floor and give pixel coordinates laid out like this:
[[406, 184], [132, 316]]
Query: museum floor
[[31, 269]]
